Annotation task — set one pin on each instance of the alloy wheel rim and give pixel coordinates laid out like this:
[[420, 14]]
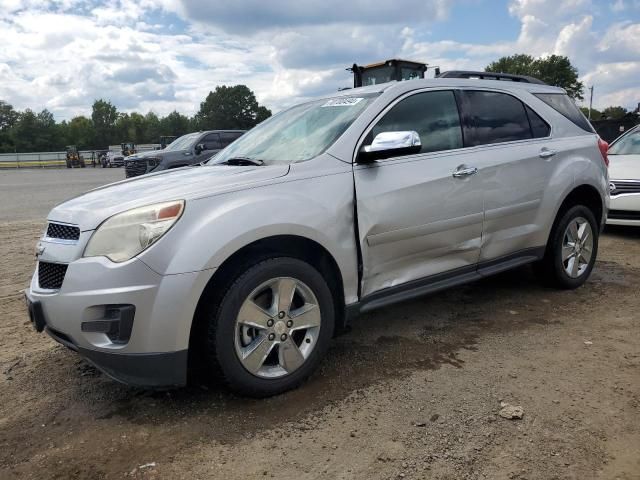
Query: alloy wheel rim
[[277, 327], [577, 247]]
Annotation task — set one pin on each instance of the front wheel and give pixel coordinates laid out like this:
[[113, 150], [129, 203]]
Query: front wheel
[[272, 327], [572, 249]]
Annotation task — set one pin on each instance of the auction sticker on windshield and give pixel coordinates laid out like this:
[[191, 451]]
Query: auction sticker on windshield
[[343, 102]]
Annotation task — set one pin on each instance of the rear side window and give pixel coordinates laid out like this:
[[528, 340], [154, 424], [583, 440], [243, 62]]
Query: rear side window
[[493, 117], [539, 127], [562, 104], [226, 138], [434, 115]]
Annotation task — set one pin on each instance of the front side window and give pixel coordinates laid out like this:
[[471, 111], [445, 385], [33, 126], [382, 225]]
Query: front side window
[[299, 133], [434, 115], [182, 143], [627, 145], [211, 141], [494, 118]]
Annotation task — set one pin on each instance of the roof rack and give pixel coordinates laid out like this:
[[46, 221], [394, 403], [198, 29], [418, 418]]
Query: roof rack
[[489, 76]]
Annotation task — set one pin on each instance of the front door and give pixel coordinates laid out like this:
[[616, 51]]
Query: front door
[[419, 215]]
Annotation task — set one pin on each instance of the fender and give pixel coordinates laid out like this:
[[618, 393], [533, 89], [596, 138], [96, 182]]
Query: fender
[[317, 208]]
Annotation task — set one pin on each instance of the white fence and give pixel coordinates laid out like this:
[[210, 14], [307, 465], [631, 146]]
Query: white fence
[[39, 159], [57, 159]]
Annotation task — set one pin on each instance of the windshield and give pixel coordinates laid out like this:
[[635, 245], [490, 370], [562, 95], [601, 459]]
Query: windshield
[[299, 133], [182, 143], [627, 145]]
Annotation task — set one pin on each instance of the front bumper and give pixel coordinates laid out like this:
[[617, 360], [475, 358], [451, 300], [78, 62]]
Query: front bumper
[[624, 210], [137, 167], [154, 354]]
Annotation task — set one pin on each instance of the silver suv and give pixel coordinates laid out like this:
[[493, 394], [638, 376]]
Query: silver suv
[[248, 265]]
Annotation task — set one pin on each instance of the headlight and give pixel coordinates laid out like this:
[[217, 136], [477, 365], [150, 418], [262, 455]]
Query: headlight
[[127, 234], [153, 161]]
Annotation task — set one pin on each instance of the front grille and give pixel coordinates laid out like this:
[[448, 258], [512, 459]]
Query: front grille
[[618, 187], [51, 275], [65, 232], [623, 215], [135, 168]]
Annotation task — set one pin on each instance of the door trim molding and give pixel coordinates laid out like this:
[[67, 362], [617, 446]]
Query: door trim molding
[[425, 229], [508, 210]]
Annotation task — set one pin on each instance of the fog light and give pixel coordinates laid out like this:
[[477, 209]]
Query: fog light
[[116, 324]]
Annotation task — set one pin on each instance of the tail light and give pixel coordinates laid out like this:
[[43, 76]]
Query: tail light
[[603, 146]]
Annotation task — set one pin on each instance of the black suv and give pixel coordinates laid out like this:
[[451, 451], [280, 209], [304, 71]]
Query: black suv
[[186, 150]]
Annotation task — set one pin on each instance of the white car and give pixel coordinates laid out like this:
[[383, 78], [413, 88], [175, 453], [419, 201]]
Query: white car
[[624, 174]]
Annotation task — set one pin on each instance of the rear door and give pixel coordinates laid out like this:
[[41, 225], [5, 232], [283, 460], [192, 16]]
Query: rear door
[[512, 151], [415, 218]]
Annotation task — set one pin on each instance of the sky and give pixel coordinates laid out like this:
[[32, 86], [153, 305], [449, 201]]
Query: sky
[[165, 55]]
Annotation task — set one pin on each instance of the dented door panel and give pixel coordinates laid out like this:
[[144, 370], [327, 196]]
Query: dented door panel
[[415, 219]]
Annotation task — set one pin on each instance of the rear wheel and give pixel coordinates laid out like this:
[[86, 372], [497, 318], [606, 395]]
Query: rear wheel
[[571, 252], [272, 327]]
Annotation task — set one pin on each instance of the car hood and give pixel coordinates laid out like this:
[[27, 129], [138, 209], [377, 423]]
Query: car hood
[[92, 208], [624, 167], [148, 153]]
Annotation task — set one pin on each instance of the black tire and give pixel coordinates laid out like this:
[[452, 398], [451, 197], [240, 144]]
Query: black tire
[[551, 269], [68, 164], [221, 329]]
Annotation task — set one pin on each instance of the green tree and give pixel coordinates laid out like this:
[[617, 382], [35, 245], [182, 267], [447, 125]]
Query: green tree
[[262, 114], [79, 131], [152, 129], [553, 70], [230, 108], [614, 112], [104, 116], [595, 114], [518, 64], [46, 139], [25, 131], [8, 118], [175, 124]]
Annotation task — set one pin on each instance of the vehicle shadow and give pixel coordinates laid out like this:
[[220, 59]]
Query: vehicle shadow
[[621, 231], [422, 335], [426, 333]]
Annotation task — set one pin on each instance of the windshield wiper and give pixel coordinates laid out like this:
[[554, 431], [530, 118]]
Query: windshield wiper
[[243, 161]]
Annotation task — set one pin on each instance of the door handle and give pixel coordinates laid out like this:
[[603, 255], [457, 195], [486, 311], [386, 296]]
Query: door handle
[[546, 153], [464, 171]]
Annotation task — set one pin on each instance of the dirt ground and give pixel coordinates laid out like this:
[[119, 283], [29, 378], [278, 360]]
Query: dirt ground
[[412, 391]]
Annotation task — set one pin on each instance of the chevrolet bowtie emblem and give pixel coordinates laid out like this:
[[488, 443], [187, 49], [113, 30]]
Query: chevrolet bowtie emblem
[[39, 249]]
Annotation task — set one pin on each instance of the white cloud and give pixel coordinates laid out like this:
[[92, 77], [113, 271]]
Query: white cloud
[[163, 55]]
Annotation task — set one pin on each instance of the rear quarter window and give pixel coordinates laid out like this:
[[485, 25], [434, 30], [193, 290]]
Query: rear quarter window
[[539, 127], [562, 104]]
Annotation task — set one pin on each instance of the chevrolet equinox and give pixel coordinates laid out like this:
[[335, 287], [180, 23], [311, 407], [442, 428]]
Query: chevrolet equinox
[[248, 265]]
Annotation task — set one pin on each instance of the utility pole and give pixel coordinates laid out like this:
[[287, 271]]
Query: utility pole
[[590, 101]]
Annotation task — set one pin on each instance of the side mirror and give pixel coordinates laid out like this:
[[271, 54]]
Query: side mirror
[[200, 148], [391, 144]]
